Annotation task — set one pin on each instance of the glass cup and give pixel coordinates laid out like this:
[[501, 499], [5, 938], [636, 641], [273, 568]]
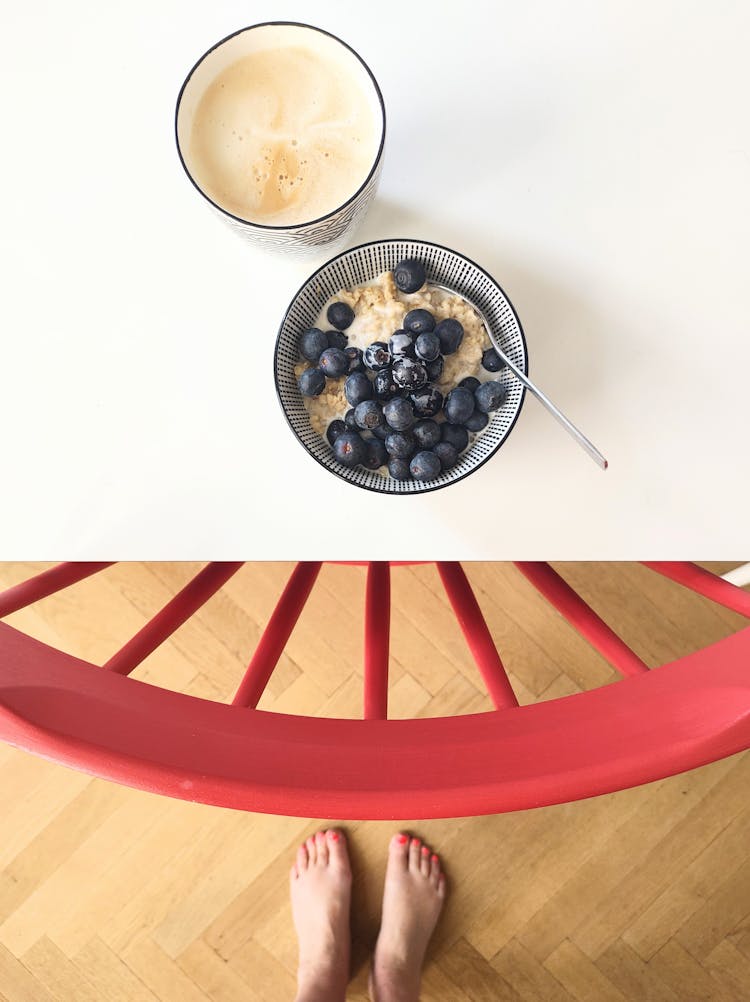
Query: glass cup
[[332, 227]]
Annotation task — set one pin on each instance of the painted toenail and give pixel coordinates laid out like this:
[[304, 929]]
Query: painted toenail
[[425, 851], [403, 839], [334, 836], [434, 858], [415, 842]]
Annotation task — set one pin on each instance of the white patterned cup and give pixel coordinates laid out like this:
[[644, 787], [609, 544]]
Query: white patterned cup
[[335, 227]]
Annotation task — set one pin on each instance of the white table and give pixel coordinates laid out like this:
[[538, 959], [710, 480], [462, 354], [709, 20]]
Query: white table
[[594, 158]]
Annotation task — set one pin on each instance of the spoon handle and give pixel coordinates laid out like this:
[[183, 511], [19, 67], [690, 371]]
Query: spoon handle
[[554, 411], [543, 399]]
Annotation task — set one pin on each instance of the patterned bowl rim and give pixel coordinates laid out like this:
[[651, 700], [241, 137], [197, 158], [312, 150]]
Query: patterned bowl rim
[[374, 243], [327, 215]]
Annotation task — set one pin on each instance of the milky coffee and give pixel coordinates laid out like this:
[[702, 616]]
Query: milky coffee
[[283, 136]]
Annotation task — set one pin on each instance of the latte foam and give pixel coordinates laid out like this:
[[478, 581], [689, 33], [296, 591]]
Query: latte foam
[[282, 137]]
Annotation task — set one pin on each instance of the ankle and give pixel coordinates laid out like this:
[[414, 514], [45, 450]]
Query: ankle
[[393, 981], [321, 981]]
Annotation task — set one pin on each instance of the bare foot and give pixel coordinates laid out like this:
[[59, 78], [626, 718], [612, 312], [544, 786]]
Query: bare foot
[[413, 897], [321, 887]]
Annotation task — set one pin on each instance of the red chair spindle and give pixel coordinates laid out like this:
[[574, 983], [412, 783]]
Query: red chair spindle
[[46, 583], [277, 633], [377, 640], [582, 617], [176, 612], [703, 582], [477, 634]]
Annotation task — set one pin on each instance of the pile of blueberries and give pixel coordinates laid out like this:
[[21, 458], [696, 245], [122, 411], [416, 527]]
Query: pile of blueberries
[[389, 387]]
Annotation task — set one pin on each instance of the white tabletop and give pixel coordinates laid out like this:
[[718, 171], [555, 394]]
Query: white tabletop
[[594, 158]]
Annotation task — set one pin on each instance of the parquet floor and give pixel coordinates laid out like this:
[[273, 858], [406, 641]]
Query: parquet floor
[[107, 893]]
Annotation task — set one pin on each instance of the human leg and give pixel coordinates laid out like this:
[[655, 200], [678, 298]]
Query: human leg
[[320, 886], [412, 899]]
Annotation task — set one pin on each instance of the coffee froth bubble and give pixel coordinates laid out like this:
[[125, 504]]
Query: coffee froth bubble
[[282, 136]]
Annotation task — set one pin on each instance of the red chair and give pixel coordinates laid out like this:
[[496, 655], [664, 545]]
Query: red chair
[[651, 724]]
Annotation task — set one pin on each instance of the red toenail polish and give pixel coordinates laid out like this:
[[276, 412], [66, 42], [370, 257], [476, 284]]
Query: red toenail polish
[[334, 836], [434, 858], [403, 839], [415, 841], [425, 851]]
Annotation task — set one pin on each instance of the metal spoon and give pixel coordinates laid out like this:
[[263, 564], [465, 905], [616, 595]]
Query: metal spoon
[[568, 425]]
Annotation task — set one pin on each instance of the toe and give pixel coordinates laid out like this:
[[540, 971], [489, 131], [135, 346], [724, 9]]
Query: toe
[[414, 855], [301, 861], [312, 851], [424, 863], [434, 869], [322, 848], [398, 850], [337, 853]]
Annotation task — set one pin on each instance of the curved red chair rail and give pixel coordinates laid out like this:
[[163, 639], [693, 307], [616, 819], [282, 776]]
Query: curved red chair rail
[[676, 717]]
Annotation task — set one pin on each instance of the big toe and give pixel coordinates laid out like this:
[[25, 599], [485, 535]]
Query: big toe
[[398, 851], [337, 851]]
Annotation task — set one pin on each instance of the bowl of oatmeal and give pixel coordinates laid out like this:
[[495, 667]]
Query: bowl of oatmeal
[[385, 371]]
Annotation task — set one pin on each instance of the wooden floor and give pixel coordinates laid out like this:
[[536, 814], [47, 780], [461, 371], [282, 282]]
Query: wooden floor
[[108, 893]]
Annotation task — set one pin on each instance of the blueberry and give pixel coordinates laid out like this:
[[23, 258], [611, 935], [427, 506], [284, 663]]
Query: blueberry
[[425, 466], [399, 414], [377, 356], [399, 469], [349, 449], [427, 401], [401, 444], [409, 275], [340, 315], [427, 434], [312, 344], [419, 321], [334, 429], [447, 454], [435, 369], [383, 384], [368, 414], [350, 420], [451, 334], [491, 361], [476, 422], [333, 363], [382, 431], [376, 456], [459, 405], [455, 434], [311, 383], [337, 340], [471, 383], [489, 396], [401, 343], [427, 346], [357, 388], [409, 374], [355, 359]]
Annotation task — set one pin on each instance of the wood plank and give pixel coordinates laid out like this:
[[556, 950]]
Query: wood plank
[[531, 980], [17, 982], [53, 969], [580, 976], [479, 980]]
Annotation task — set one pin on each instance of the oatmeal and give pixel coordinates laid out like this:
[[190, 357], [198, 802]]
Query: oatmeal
[[379, 310], [402, 382]]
